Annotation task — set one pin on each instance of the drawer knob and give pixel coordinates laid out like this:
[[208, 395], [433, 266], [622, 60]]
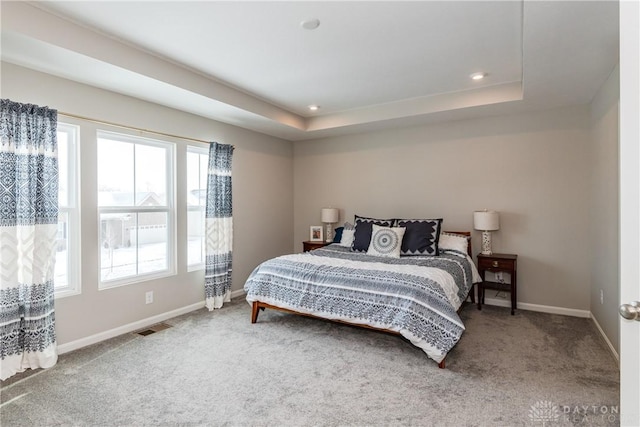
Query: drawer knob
[[495, 263]]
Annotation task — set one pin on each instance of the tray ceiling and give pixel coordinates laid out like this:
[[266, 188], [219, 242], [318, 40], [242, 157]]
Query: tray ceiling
[[367, 65]]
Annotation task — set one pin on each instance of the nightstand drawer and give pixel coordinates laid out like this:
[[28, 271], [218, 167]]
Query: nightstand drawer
[[490, 263]]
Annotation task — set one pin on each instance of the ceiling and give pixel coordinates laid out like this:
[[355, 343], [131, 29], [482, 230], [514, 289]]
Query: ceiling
[[368, 65]]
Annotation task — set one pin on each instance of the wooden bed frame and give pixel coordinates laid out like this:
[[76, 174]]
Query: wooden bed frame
[[256, 306]]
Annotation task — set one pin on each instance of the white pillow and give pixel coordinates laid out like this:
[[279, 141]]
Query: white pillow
[[453, 242], [347, 237], [386, 241]]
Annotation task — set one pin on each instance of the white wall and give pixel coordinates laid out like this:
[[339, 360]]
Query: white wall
[[262, 198], [533, 168], [604, 202]]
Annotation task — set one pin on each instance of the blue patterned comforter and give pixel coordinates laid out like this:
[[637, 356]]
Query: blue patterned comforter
[[417, 297]]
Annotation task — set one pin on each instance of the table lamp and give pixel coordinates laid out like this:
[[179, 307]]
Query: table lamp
[[486, 221], [329, 216]]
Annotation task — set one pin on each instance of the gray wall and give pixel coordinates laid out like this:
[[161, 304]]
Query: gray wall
[[533, 168], [551, 174], [604, 208], [262, 197]]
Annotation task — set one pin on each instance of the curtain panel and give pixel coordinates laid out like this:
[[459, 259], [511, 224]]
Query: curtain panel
[[219, 227], [28, 230]]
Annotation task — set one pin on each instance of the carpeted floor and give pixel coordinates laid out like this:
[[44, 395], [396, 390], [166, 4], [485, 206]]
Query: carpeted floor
[[286, 370]]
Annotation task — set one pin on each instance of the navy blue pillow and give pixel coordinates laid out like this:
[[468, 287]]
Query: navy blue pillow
[[420, 237], [337, 236], [364, 229]]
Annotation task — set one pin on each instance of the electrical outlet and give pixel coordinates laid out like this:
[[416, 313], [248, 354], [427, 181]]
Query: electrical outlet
[[148, 297], [499, 277], [601, 296]]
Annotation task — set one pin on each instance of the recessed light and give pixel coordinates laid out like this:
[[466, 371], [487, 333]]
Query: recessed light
[[478, 76], [314, 107], [310, 24]]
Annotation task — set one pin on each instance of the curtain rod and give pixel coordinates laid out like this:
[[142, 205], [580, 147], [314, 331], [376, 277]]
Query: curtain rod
[[104, 122]]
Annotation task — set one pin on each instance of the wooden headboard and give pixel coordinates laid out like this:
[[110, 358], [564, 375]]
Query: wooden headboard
[[466, 234]]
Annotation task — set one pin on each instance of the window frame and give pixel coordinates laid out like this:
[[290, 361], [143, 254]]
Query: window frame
[[200, 150], [72, 211], [169, 208]]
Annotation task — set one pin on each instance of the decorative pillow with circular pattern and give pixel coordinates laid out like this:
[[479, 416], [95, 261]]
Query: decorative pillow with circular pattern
[[386, 241]]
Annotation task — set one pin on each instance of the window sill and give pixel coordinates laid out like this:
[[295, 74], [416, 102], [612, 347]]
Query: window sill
[[133, 280]]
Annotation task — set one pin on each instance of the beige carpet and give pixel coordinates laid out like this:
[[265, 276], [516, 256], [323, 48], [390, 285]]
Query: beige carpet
[[218, 369]]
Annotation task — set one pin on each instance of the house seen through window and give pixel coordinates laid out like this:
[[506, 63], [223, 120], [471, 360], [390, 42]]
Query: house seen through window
[[135, 204]]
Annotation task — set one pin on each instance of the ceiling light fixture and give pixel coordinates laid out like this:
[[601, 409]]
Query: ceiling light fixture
[[314, 107], [310, 24], [478, 76]]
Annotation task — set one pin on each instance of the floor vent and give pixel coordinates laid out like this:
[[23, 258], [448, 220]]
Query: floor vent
[[153, 329]]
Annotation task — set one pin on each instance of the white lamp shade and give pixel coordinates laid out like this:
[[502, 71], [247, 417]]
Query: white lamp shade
[[330, 215], [486, 220]]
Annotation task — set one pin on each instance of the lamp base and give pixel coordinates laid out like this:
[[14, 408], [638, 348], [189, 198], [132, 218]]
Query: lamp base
[[329, 232], [486, 243]]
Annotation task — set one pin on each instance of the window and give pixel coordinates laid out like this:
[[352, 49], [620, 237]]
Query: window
[[67, 269], [135, 205], [197, 164]]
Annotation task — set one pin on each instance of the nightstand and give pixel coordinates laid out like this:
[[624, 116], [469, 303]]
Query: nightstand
[[505, 263], [308, 245]]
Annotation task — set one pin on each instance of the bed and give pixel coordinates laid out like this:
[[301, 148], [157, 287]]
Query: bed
[[417, 297]]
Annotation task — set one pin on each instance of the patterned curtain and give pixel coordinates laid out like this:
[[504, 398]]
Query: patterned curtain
[[219, 227], [28, 228]]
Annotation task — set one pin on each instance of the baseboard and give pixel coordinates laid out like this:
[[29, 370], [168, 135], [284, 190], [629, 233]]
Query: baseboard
[[606, 339], [140, 324], [124, 329], [238, 293], [540, 308], [102, 336], [556, 310]]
